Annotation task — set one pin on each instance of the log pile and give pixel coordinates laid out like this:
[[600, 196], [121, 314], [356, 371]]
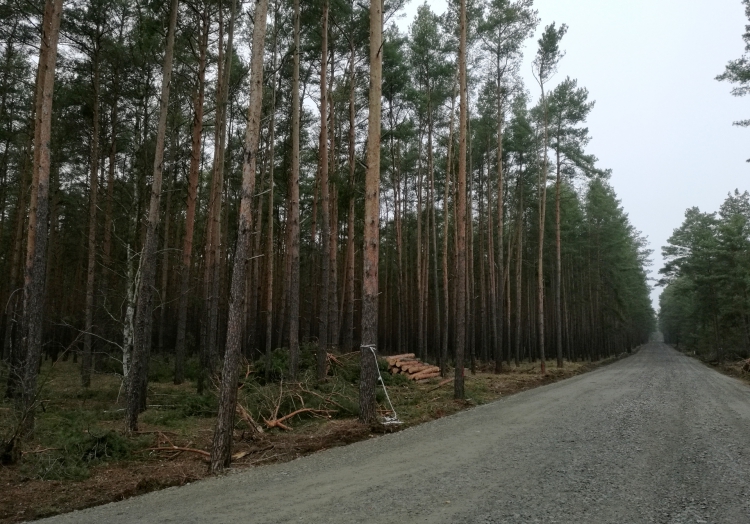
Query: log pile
[[408, 364]]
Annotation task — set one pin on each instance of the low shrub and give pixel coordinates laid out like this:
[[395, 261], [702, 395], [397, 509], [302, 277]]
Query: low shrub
[[71, 448]]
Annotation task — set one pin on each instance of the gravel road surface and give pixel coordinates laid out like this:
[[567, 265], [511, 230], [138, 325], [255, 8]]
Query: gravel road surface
[[656, 437]]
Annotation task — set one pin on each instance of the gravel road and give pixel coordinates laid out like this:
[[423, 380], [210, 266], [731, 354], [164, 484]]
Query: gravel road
[[656, 437]]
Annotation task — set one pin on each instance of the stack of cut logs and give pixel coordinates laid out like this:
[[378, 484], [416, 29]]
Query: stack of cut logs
[[412, 367]]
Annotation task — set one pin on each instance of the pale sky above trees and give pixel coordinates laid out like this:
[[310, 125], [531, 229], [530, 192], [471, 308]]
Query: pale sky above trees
[[662, 122]]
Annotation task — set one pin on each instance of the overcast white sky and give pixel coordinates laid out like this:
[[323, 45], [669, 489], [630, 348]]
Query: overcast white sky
[[661, 122]]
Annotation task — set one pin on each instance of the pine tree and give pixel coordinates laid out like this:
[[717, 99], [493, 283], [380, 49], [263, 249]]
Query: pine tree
[[137, 378], [367, 413], [221, 450]]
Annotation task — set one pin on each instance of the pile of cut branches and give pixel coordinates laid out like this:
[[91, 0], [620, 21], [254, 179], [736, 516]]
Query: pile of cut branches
[[275, 405]]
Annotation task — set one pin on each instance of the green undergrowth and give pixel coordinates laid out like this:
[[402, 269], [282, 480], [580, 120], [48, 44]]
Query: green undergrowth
[[79, 428], [71, 444]]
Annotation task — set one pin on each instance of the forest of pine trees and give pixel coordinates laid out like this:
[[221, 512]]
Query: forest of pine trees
[[704, 305], [216, 180]]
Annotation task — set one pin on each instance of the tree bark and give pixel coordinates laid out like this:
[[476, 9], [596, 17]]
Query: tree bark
[[367, 411], [147, 268], [446, 222], [36, 246], [420, 250], [93, 191], [324, 200], [458, 384], [540, 257], [12, 350], [221, 449], [348, 321], [333, 302], [212, 281], [165, 250], [333, 223], [269, 238], [519, 268], [500, 232], [294, 229], [558, 268], [187, 241], [433, 226]]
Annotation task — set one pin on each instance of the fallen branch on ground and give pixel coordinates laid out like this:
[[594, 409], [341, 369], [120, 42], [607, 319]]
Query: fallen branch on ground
[[39, 451], [441, 384], [278, 423], [175, 448]]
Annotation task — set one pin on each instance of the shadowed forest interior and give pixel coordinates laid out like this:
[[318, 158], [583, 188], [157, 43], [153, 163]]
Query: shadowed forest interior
[[224, 186]]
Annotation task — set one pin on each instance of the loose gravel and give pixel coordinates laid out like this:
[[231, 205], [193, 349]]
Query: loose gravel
[[657, 437]]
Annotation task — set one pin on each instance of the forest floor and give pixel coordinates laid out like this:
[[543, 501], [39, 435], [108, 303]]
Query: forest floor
[[733, 367], [657, 437], [81, 458]]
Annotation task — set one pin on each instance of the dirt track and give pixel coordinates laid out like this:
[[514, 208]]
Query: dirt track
[[656, 437]]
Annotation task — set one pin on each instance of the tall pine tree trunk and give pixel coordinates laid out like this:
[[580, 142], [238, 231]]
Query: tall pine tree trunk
[[334, 327], [333, 302], [367, 411], [420, 253], [212, 281], [461, 284], [11, 349], [558, 269], [93, 192], [446, 222], [324, 201], [433, 229], [294, 229], [147, 268], [348, 321], [221, 449], [500, 231], [36, 244], [192, 193], [269, 211], [165, 249], [540, 257], [519, 269], [396, 182]]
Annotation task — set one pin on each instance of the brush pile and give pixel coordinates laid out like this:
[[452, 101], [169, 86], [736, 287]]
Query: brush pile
[[409, 365]]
